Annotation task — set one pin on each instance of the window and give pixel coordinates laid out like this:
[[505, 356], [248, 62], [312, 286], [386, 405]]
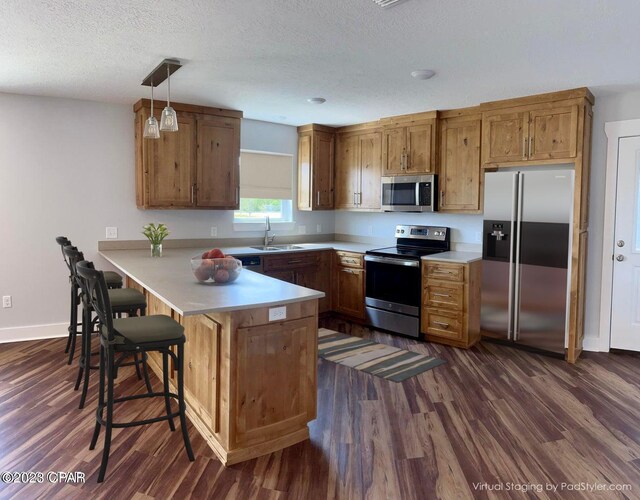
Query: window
[[266, 187]]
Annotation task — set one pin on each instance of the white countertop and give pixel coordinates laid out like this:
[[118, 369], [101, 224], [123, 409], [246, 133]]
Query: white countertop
[[456, 257], [171, 280], [304, 247]]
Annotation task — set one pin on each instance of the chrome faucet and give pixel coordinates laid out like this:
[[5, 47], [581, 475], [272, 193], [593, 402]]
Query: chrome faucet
[[268, 239]]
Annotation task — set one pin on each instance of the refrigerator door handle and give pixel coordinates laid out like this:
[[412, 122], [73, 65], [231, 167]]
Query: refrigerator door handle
[[514, 201], [516, 259]]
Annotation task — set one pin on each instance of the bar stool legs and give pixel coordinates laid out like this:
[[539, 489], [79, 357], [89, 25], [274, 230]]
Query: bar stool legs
[[181, 403], [165, 380]]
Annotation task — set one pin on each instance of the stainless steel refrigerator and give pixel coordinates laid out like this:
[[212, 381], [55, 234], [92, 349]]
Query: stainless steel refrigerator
[[527, 231]]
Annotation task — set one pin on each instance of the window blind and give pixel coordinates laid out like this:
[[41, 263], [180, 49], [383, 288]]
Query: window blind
[[264, 175]]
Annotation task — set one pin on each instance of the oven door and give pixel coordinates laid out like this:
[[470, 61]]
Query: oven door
[[393, 284]]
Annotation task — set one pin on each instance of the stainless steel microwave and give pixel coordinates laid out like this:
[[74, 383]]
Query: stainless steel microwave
[[410, 193]]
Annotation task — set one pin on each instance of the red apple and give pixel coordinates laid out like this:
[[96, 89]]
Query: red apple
[[216, 253]]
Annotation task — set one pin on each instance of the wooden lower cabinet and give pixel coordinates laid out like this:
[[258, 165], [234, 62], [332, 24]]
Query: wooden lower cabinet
[[250, 384], [451, 303], [307, 269], [349, 283]]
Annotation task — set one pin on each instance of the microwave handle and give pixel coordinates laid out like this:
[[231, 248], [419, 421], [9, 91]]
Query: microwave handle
[[418, 200]]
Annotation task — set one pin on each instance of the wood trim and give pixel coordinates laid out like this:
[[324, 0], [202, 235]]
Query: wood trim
[[360, 127], [187, 108], [562, 95], [410, 119], [315, 127]]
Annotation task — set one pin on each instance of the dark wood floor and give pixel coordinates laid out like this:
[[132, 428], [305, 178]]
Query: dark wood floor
[[491, 415]]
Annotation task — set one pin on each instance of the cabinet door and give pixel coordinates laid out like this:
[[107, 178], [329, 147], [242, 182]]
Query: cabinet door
[[370, 170], [315, 278], [201, 368], [347, 171], [350, 292], [460, 169], [170, 164], [304, 172], [420, 148], [288, 276], [554, 133], [393, 148], [218, 162], [505, 136], [323, 161]]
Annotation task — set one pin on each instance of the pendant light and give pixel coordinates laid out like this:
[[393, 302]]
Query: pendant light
[[169, 119], [151, 129]]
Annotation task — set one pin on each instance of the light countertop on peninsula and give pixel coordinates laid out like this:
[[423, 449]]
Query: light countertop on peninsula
[[455, 257], [171, 280]]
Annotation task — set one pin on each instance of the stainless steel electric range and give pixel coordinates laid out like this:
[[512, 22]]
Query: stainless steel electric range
[[394, 278]]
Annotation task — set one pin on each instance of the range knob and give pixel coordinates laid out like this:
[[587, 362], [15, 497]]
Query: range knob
[[402, 231]]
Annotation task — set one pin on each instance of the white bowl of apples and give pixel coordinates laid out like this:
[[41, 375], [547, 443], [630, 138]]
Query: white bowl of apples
[[216, 267]]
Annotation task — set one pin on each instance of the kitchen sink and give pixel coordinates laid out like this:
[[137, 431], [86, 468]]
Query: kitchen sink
[[273, 248]]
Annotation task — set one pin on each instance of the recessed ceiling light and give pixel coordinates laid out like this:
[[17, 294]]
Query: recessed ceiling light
[[387, 3], [316, 100], [423, 74]]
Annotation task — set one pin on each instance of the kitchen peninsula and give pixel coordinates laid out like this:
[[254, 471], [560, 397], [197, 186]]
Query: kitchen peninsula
[[250, 354]]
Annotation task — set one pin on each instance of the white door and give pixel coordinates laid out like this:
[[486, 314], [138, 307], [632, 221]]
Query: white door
[[625, 305]]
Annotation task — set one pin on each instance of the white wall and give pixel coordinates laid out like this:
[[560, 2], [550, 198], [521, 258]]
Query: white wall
[[608, 108], [67, 168]]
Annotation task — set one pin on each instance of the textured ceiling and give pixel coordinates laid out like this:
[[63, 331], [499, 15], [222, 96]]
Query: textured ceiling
[[266, 57]]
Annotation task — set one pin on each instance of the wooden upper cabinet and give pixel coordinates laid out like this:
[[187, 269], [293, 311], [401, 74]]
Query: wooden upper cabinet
[[218, 163], [532, 133], [316, 151], [370, 171], [505, 136], [195, 167], [358, 171], [347, 171], [553, 133], [393, 150], [169, 165], [460, 169], [409, 148]]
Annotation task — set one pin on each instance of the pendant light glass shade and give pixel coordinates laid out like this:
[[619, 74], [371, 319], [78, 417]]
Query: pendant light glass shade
[[151, 129], [169, 119]]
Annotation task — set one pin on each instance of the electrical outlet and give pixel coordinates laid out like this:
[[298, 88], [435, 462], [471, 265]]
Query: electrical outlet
[[318, 228], [112, 233], [478, 236], [277, 313], [214, 231], [6, 301], [302, 229]]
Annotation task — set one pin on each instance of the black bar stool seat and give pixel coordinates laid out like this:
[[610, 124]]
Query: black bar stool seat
[[113, 279], [132, 333], [126, 299]]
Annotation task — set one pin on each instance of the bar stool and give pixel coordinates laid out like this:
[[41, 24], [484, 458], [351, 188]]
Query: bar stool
[[114, 280], [130, 335], [124, 301]]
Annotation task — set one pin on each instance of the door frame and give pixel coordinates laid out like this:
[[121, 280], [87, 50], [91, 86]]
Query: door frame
[[614, 132]]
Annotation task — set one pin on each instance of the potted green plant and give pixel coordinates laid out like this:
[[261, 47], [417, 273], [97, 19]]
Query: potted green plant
[[155, 234]]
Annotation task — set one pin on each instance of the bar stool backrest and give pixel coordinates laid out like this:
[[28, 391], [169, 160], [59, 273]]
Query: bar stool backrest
[[63, 241], [73, 256], [95, 287]]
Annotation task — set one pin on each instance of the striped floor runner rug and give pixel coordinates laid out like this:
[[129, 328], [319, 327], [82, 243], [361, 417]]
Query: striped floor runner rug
[[391, 363]]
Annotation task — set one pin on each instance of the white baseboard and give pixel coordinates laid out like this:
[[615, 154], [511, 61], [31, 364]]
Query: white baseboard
[[33, 332], [594, 344]]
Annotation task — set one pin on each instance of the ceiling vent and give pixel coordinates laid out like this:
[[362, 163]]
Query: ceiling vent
[[385, 4]]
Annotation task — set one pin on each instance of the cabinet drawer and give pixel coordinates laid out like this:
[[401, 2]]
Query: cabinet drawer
[[350, 259], [445, 271], [444, 295], [443, 323], [289, 261]]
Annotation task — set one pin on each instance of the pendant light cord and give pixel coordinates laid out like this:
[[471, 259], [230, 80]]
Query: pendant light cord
[[151, 97], [168, 87]]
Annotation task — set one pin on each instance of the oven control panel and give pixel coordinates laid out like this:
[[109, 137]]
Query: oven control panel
[[422, 232]]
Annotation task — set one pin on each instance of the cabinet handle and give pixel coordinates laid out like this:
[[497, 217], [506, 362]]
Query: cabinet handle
[[441, 198], [318, 198], [359, 198], [193, 195], [441, 294], [530, 145], [237, 194], [354, 199], [524, 148], [295, 261], [440, 323], [406, 161]]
